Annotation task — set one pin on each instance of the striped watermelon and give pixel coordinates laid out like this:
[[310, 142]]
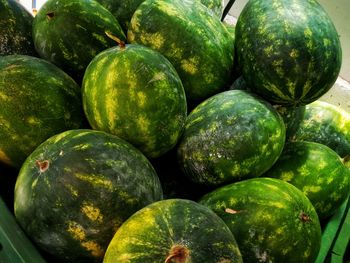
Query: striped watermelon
[[272, 220], [289, 50], [135, 93], [324, 123], [38, 100], [70, 33], [191, 38], [15, 29], [75, 190], [173, 230], [317, 171], [231, 136]]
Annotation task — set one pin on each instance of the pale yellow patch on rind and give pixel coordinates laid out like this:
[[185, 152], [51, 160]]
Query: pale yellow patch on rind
[[95, 180], [92, 212]]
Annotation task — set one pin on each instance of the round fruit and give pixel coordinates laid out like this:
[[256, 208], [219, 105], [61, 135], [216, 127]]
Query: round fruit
[[76, 189], [317, 171], [135, 93], [191, 38], [70, 33], [173, 230], [15, 29], [272, 220], [38, 100], [229, 137], [289, 51]]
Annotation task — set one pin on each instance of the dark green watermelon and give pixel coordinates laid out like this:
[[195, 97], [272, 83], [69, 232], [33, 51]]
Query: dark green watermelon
[[288, 50], [272, 220], [194, 40], [135, 93], [317, 171], [173, 230], [324, 123], [70, 33], [231, 136], [76, 189], [38, 100], [15, 29]]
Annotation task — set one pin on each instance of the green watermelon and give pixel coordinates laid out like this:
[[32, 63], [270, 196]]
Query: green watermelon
[[135, 93], [292, 117], [124, 9], [173, 230], [38, 100], [15, 29], [191, 38], [324, 123], [317, 171], [70, 33], [75, 190], [288, 50], [231, 136], [272, 220]]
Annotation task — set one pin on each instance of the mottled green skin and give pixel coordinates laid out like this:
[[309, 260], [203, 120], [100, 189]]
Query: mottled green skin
[[229, 137], [191, 38], [15, 29], [94, 182], [324, 123], [74, 34], [124, 9], [38, 100], [292, 117], [265, 216], [136, 94], [150, 234], [317, 171], [288, 50]]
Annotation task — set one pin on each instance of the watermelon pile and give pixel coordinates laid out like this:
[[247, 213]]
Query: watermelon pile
[[152, 131]]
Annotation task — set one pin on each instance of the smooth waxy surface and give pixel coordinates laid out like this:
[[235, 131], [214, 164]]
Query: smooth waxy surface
[[272, 220], [317, 171], [70, 33], [136, 94], [229, 137], [38, 100], [289, 51], [173, 230], [191, 38], [75, 190]]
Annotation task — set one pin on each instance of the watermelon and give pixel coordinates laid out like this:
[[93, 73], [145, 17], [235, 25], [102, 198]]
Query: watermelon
[[231, 136], [292, 117], [123, 10], [289, 51], [37, 101], [272, 220], [15, 29], [70, 33], [317, 171], [135, 93], [173, 230], [324, 123], [191, 38], [75, 190]]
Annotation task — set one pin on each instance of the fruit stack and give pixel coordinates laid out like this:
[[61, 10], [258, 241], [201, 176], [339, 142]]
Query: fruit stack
[[151, 131]]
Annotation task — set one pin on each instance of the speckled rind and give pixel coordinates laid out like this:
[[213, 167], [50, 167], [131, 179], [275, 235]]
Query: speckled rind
[[38, 100], [229, 137], [135, 93], [317, 171], [272, 220], [149, 234], [15, 29], [70, 33], [91, 183], [288, 50], [195, 41]]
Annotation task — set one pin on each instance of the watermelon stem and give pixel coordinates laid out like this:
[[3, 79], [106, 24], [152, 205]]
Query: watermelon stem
[[50, 15], [120, 42], [304, 217], [42, 165], [178, 254]]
